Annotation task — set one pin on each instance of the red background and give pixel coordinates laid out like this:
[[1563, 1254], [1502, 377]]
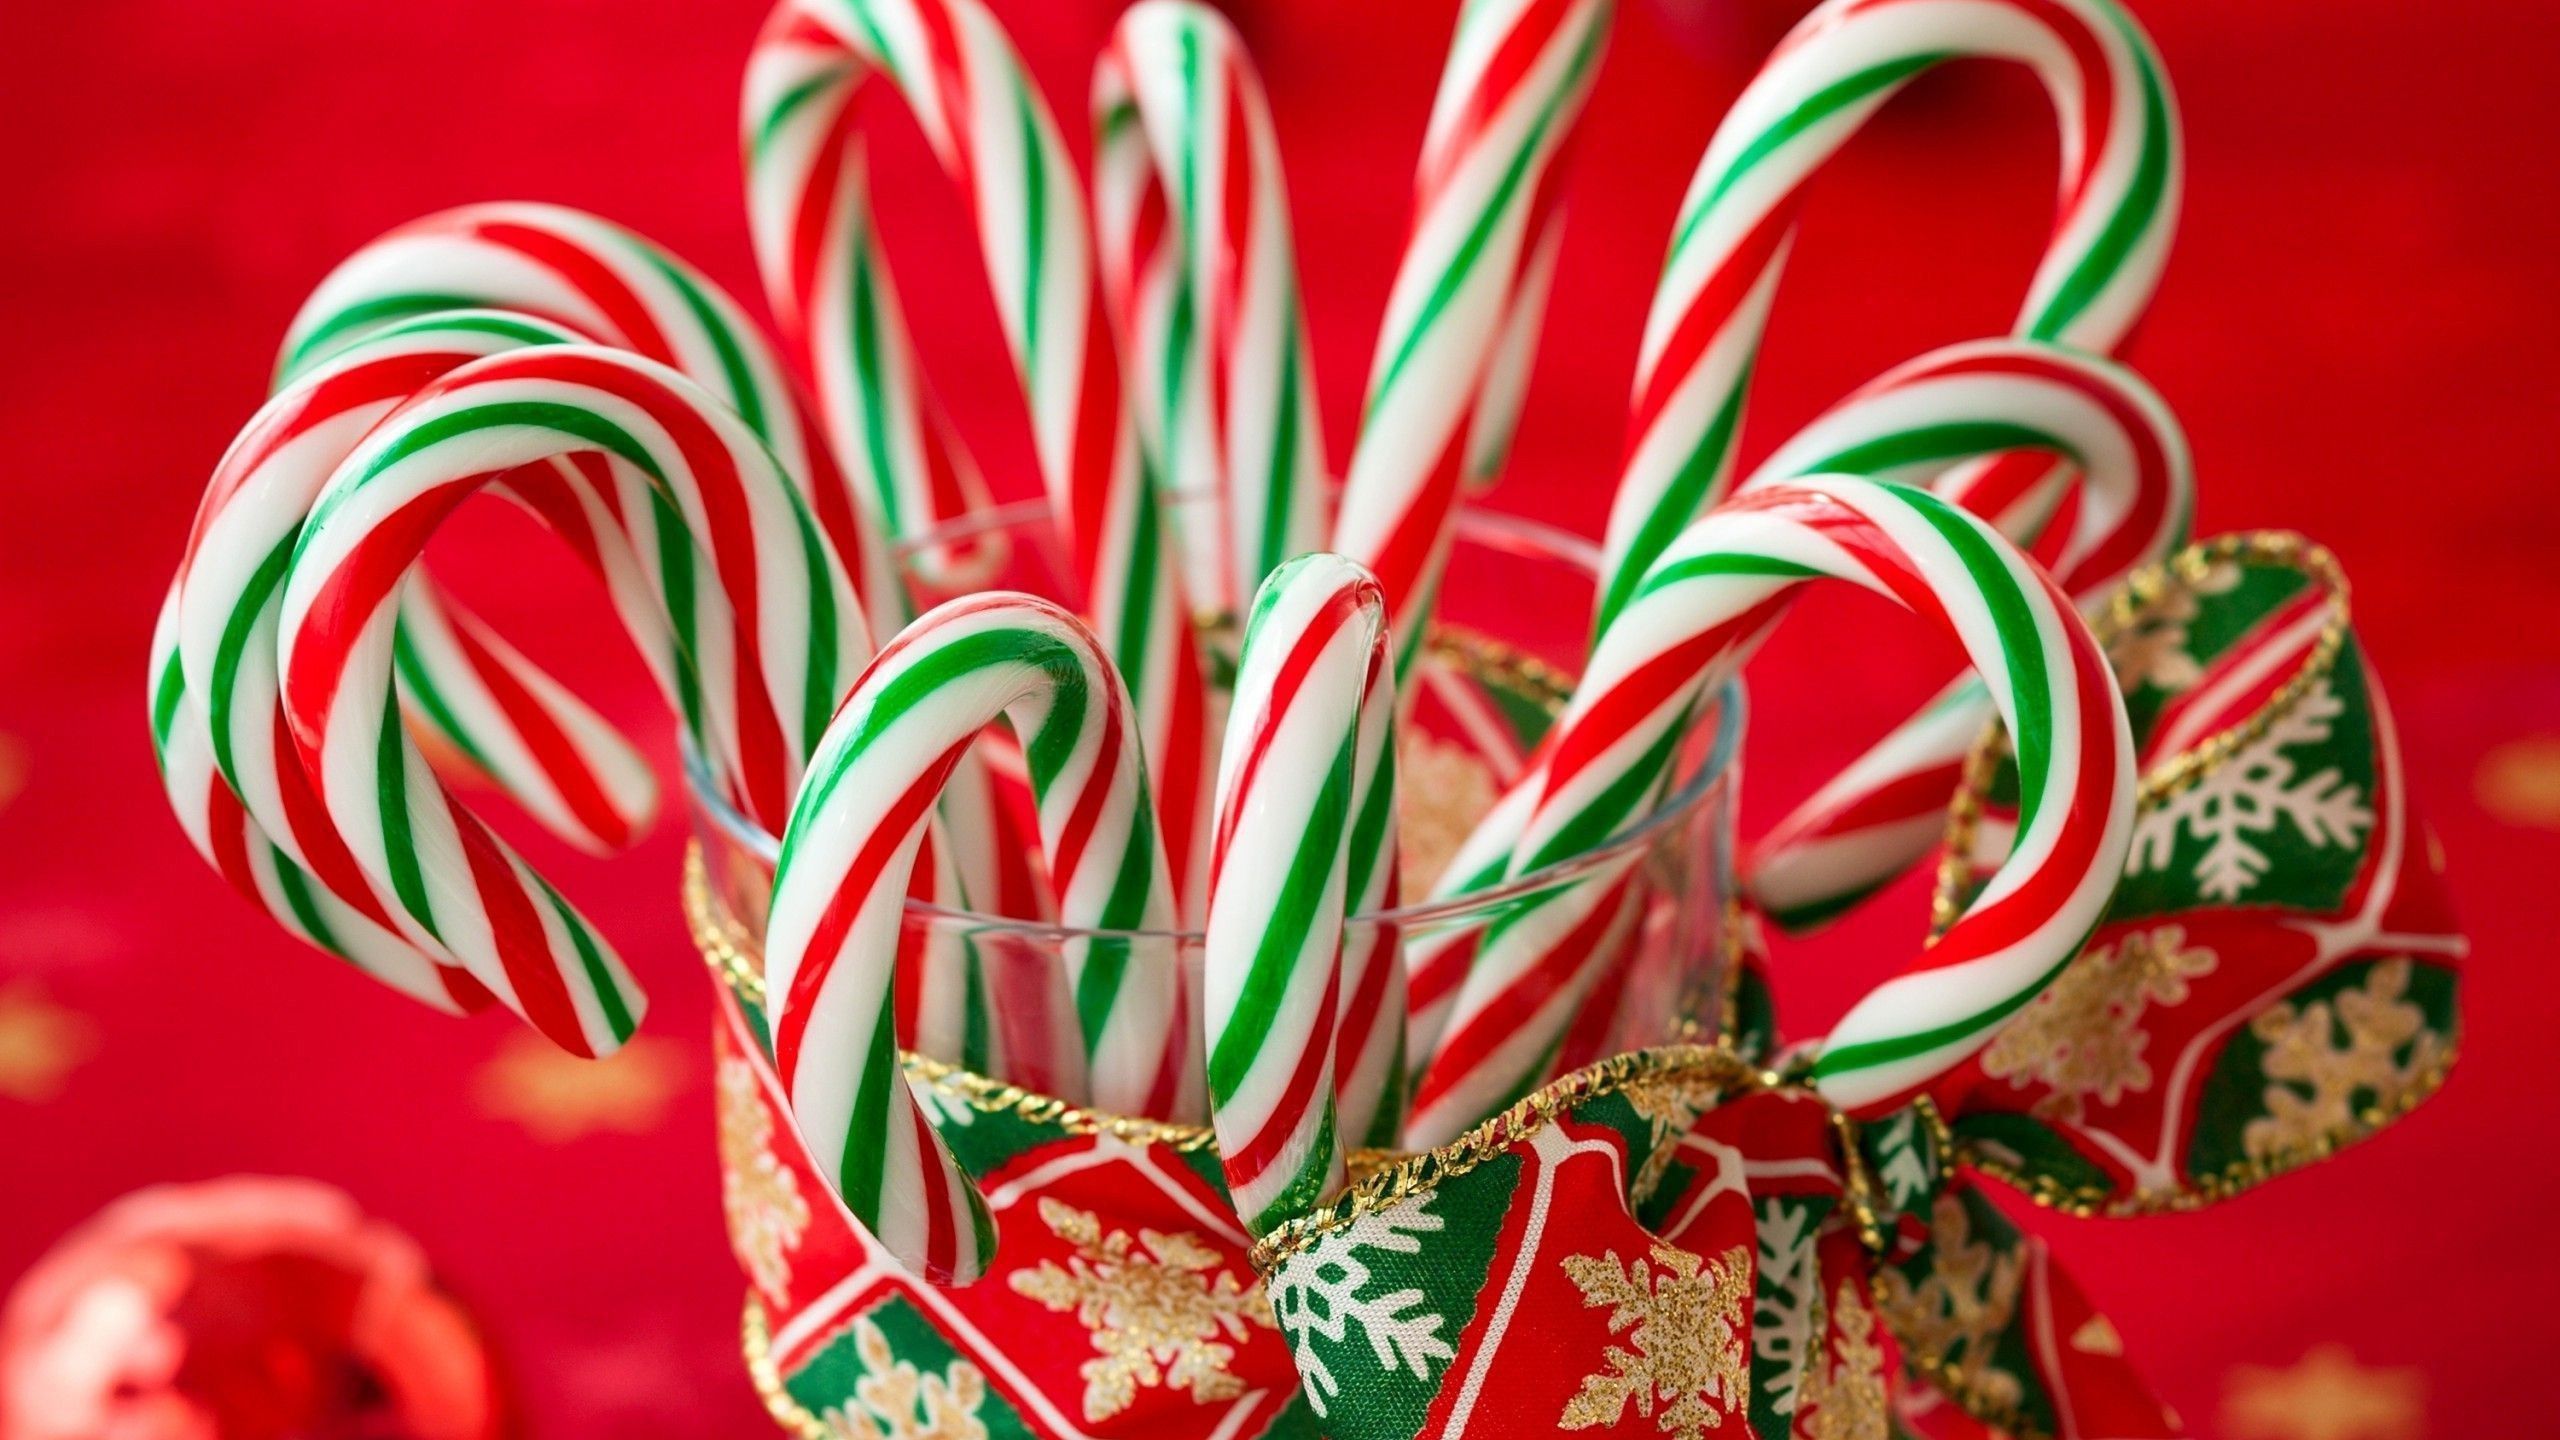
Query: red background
[[2356, 328]]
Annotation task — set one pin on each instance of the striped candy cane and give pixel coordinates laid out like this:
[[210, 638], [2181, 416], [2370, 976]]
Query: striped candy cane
[[1916, 423], [762, 620], [1305, 782], [208, 809], [950, 62], [836, 301], [1509, 98], [1698, 612], [216, 686], [1193, 215], [2120, 184], [832, 938], [613, 287]]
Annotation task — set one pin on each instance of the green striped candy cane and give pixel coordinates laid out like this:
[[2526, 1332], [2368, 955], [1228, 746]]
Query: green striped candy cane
[[1701, 609], [1305, 834], [2120, 187], [758, 613], [832, 939], [1193, 218]]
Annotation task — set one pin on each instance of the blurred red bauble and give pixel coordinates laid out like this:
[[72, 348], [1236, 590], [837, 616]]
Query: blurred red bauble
[[244, 1308]]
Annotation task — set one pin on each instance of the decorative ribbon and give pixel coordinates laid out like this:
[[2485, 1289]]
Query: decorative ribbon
[[1687, 1242]]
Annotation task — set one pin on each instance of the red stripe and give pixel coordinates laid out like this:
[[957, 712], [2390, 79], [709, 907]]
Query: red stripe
[[860, 880], [1356, 1022], [1066, 857], [346, 602], [1709, 312], [1556, 972], [941, 1230], [1245, 1163], [589, 276], [1309, 647], [523, 950], [1504, 72], [554, 753]]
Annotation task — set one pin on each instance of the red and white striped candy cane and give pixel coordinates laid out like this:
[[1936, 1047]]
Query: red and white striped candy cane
[[1198, 259], [957, 73], [357, 932], [1696, 614], [614, 287], [1509, 98], [836, 301], [760, 611], [2120, 185], [1917, 423], [832, 941], [1305, 783], [216, 685]]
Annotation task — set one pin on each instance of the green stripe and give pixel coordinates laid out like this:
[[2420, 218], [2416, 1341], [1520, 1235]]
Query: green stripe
[[1369, 842], [237, 627], [478, 322], [870, 381], [780, 112], [1598, 822], [676, 587], [422, 691], [866, 1150], [422, 435], [391, 793], [1867, 1054], [1818, 107], [1285, 943], [1715, 564], [1308, 1182], [744, 397], [305, 906], [1281, 483], [2131, 220], [617, 1015], [1135, 637], [164, 703], [2021, 642], [1035, 223], [363, 315], [1928, 444], [1461, 265], [1681, 499]]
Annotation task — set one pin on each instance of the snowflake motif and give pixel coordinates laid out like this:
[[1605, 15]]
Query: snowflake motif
[[2304, 1049], [1668, 1110], [895, 1401], [1163, 1309], [758, 1193], [1685, 1316], [2252, 794], [1955, 1316], [1321, 1293], [2083, 1036], [2152, 647], [1847, 1398], [1786, 1309]]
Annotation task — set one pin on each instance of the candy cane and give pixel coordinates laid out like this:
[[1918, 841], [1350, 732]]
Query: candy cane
[[616, 288], [726, 534], [2120, 188], [1706, 602], [1915, 423], [1305, 760], [957, 73], [1509, 98], [209, 811], [217, 688], [832, 937], [1193, 215]]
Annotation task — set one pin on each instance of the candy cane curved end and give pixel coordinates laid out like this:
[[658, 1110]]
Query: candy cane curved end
[[840, 885]]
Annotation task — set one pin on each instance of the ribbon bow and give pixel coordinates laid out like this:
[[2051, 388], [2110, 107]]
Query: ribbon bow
[[1674, 1240]]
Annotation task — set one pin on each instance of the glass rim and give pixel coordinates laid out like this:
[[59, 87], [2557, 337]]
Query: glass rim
[[1730, 705]]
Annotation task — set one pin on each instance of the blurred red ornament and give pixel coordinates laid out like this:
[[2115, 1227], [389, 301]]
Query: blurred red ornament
[[245, 1308]]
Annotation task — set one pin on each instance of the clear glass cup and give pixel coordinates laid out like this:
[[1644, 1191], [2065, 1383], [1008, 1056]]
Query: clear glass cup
[[1498, 664]]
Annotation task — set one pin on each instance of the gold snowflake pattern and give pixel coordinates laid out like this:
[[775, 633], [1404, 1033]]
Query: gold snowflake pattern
[[896, 1401], [2151, 648], [1845, 1400], [1442, 790], [758, 1193], [1955, 1316], [1163, 1308], [2334, 1050], [2083, 1036], [1688, 1320], [1668, 1110]]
